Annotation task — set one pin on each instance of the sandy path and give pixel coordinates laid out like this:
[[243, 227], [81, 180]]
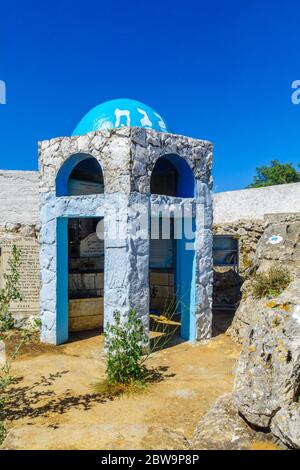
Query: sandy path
[[54, 404]]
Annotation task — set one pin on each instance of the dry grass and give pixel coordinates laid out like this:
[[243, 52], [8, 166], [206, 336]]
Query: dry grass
[[270, 283], [113, 390]]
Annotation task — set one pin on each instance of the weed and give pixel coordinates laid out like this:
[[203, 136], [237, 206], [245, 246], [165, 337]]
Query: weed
[[270, 283]]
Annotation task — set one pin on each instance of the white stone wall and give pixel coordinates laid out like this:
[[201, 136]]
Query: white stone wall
[[19, 198], [249, 204]]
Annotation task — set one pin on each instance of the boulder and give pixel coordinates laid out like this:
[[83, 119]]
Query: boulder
[[221, 428], [286, 425], [268, 371], [278, 245], [245, 316]]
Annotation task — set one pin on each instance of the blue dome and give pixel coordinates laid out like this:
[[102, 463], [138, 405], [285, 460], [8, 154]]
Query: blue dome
[[120, 113]]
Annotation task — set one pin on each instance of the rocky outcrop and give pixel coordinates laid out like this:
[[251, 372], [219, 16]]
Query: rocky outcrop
[[267, 381], [268, 372], [279, 245], [286, 425], [221, 428]]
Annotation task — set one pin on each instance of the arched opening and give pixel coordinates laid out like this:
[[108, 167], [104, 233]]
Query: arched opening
[[80, 175], [80, 276], [80, 252], [172, 268], [172, 176]]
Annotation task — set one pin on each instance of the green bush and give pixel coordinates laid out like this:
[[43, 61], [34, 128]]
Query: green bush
[[271, 282], [125, 341], [10, 290]]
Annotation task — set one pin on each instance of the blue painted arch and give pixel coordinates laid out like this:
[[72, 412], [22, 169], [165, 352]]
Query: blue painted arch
[[185, 185], [64, 173]]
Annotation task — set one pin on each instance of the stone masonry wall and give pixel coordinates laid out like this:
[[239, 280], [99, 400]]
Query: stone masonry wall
[[227, 282]]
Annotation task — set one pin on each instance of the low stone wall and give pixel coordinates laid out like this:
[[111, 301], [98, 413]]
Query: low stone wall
[[227, 282]]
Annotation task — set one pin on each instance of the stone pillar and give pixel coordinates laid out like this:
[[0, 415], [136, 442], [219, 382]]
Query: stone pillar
[[204, 262], [126, 271], [48, 267]]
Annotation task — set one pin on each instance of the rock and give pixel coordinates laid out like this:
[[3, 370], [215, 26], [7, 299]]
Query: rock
[[286, 425], [280, 243], [268, 372], [94, 437], [12, 227], [27, 231], [221, 428], [245, 316], [284, 249]]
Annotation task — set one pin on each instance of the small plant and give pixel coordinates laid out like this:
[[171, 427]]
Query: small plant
[[125, 342], [246, 261], [10, 291], [271, 282], [126, 372], [165, 326]]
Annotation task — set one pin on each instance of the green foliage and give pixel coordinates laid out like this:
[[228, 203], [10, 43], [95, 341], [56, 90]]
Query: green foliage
[[10, 290], [271, 282], [275, 173], [125, 341]]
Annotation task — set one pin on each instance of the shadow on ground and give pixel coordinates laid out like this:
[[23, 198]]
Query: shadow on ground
[[25, 401]]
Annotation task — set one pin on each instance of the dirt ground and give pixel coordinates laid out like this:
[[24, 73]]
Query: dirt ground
[[54, 405]]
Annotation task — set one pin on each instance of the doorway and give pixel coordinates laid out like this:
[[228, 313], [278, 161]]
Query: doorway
[[85, 275]]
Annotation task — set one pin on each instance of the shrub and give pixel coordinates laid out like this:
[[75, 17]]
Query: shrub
[[271, 282], [10, 291], [125, 341]]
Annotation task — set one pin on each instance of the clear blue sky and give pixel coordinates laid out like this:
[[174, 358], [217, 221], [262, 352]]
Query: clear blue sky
[[218, 70]]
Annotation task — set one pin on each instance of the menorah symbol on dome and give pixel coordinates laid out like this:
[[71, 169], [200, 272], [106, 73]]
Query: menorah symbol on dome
[[123, 118]]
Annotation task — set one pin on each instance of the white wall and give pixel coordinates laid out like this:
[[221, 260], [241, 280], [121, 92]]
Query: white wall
[[254, 203], [19, 200], [19, 197]]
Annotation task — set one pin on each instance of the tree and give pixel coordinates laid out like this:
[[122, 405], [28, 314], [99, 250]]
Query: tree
[[275, 173]]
